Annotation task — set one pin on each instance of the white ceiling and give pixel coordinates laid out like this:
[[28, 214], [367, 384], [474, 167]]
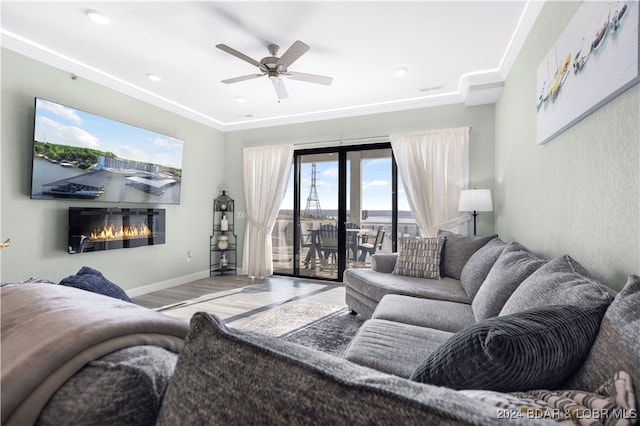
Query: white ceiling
[[454, 51]]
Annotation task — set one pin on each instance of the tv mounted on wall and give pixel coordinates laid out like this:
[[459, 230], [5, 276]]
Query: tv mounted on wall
[[81, 156]]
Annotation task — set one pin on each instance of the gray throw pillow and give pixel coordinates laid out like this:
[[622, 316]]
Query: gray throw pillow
[[535, 349], [478, 266], [384, 262], [560, 281], [458, 249], [617, 346], [512, 267]]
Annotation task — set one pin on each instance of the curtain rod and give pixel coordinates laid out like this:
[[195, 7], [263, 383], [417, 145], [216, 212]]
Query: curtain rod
[[339, 142], [366, 140]]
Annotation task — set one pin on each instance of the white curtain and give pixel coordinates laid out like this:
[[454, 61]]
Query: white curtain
[[434, 167], [266, 173]]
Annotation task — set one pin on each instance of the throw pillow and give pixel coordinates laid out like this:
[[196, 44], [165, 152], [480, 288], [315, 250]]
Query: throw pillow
[[538, 348], [617, 346], [419, 257], [560, 281], [90, 279], [611, 403], [384, 262], [512, 267], [478, 266], [458, 249]]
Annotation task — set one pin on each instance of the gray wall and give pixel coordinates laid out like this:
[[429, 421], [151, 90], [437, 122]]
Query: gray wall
[[579, 193], [38, 228], [481, 153]]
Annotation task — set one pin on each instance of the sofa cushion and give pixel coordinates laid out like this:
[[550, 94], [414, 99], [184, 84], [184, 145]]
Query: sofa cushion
[[538, 348], [617, 346], [384, 262], [439, 314], [375, 285], [229, 377], [125, 387], [92, 280], [512, 267], [393, 347], [458, 249], [560, 281], [478, 266], [419, 257]]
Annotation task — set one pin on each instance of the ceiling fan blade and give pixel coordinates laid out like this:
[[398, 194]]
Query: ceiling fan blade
[[311, 78], [241, 78], [237, 54], [281, 91], [296, 50]]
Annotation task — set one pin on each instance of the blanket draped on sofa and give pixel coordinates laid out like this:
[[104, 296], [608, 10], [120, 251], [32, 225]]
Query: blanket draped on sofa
[[49, 332]]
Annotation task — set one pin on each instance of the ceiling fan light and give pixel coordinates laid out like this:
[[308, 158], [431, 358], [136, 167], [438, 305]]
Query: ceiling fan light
[[97, 17]]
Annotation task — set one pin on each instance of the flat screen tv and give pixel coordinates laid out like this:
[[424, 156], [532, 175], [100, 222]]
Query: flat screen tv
[[82, 156]]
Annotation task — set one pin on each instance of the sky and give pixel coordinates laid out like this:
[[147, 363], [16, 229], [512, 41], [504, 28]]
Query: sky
[[376, 185], [64, 125]]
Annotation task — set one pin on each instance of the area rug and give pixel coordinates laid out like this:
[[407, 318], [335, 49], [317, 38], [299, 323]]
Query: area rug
[[331, 334], [288, 317], [328, 328]]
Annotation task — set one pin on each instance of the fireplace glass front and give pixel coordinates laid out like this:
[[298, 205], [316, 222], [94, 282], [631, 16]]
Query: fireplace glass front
[[96, 229]]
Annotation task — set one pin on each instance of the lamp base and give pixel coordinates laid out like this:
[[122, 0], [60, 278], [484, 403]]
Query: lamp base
[[475, 215]]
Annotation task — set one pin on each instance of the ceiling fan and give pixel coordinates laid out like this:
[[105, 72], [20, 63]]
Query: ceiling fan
[[274, 67]]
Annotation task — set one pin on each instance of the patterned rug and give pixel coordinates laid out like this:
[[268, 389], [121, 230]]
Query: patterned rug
[[328, 328]]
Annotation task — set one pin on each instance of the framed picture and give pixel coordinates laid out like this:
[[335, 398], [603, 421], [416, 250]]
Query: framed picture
[[594, 60]]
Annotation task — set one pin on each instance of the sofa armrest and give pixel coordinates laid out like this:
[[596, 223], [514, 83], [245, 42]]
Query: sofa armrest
[[384, 262]]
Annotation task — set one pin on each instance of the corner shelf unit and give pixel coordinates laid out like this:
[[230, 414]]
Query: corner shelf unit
[[222, 257]]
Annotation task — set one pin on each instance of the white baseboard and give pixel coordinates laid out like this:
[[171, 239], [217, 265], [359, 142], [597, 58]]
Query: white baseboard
[[150, 288]]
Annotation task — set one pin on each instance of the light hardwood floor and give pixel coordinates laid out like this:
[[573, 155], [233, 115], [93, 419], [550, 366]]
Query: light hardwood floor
[[239, 299]]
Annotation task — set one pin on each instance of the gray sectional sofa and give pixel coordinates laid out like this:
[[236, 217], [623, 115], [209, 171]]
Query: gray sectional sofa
[[71, 356], [444, 331]]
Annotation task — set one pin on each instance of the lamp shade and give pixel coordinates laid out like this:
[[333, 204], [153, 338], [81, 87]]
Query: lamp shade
[[478, 200]]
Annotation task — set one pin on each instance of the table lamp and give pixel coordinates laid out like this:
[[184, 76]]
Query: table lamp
[[475, 200]]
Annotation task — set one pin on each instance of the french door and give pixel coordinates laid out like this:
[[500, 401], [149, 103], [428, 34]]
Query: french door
[[341, 207]]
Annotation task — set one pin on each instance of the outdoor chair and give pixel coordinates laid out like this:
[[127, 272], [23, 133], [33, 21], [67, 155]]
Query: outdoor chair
[[370, 248]]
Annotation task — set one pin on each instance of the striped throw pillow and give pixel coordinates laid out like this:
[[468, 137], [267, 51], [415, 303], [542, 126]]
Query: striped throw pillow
[[534, 349], [419, 257]]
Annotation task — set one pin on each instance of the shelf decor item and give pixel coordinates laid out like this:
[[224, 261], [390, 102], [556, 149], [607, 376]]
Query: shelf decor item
[[222, 243]]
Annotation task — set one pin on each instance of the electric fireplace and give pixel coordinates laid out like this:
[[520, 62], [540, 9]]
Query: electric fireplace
[[96, 229]]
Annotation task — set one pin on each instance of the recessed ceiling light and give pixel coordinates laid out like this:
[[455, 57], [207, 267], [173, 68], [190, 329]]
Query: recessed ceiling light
[[154, 77], [401, 71], [97, 17], [241, 99]]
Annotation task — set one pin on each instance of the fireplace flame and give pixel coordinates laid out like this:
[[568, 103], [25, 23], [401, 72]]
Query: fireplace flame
[[112, 232]]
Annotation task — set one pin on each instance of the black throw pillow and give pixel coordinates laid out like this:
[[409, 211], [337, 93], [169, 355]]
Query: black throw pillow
[[535, 349], [92, 280]]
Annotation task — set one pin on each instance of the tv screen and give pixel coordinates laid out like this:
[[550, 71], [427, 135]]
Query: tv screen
[[82, 156]]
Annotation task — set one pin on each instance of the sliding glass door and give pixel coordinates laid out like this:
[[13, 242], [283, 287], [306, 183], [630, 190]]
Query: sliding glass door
[[341, 208]]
